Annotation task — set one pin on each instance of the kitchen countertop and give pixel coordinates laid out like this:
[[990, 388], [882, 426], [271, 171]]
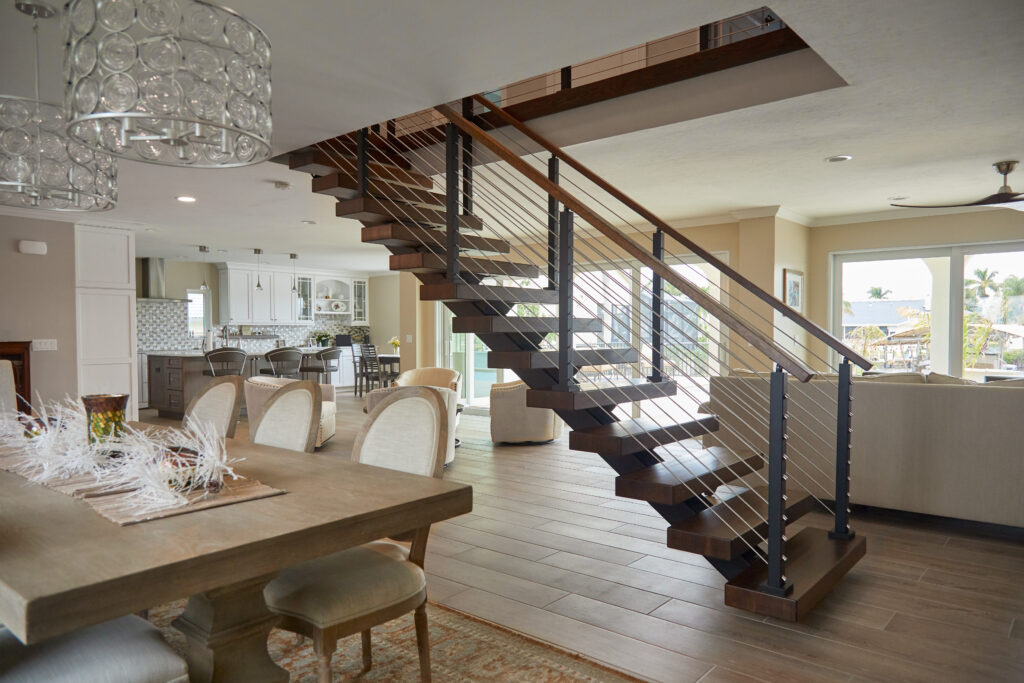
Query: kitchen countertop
[[199, 354]]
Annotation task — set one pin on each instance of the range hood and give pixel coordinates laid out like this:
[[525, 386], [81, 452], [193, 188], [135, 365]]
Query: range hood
[[154, 281]]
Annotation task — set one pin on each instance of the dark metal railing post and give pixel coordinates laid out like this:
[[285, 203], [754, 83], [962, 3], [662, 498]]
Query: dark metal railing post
[[566, 77], [552, 226], [657, 285], [844, 432], [777, 583], [451, 157], [467, 160], [363, 162], [566, 376]]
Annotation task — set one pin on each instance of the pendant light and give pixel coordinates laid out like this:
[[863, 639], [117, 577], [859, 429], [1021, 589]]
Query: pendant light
[[295, 289], [259, 264], [204, 250], [173, 82], [40, 167]]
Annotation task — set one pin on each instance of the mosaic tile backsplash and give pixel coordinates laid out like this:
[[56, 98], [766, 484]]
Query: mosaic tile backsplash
[[163, 326]]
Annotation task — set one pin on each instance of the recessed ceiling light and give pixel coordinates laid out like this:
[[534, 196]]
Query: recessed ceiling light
[[837, 158], [897, 198], [309, 222], [186, 199]]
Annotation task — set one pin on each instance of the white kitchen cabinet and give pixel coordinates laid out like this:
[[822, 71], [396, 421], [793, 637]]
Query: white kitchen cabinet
[[242, 304], [235, 296], [262, 298], [360, 302]]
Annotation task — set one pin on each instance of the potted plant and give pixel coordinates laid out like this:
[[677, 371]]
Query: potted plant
[[322, 338]]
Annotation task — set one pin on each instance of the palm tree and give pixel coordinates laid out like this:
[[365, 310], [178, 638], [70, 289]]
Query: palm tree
[[878, 293], [1012, 291], [982, 282]]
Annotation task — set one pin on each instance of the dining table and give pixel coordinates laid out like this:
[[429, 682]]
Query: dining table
[[64, 567]]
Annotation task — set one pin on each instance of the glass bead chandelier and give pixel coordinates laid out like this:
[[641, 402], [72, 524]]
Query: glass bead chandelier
[[40, 168], [173, 82]]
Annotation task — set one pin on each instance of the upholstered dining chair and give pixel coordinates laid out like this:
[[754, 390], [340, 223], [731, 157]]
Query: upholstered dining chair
[[430, 377], [219, 403], [354, 590], [8, 395], [290, 418], [284, 362], [225, 361], [125, 649]]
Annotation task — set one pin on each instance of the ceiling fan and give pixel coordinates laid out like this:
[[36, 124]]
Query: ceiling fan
[[1005, 195]]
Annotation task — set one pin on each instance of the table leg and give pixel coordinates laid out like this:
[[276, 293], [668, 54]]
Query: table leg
[[227, 629]]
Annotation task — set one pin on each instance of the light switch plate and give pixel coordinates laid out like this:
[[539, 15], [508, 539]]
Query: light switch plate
[[408, 339], [44, 344]]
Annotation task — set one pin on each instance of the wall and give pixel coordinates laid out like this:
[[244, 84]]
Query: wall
[[181, 276], [792, 241], [37, 300], [384, 313]]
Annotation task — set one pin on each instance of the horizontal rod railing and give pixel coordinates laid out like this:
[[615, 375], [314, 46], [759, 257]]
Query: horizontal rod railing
[[810, 326]]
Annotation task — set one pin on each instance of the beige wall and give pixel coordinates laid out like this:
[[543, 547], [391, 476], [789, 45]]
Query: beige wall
[[181, 276], [385, 318], [792, 242], [37, 300]]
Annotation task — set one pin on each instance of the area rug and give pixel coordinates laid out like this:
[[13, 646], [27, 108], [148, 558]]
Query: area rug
[[461, 649]]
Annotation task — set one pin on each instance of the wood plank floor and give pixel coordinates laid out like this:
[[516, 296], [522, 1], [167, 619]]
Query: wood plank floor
[[550, 552]]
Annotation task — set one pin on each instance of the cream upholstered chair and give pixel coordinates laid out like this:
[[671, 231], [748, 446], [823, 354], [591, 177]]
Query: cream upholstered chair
[[451, 401], [289, 418], [353, 590], [125, 650], [218, 403], [8, 397], [512, 421], [430, 377], [258, 391]]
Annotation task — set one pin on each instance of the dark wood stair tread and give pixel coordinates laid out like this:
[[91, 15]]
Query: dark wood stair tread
[[402, 235], [547, 360], [615, 394], [317, 162], [687, 475], [499, 324], [373, 210], [723, 531], [422, 262], [815, 563], [345, 186], [463, 292], [636, 435]]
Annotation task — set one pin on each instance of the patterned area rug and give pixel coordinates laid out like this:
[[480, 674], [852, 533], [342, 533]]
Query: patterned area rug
[[461, 649]]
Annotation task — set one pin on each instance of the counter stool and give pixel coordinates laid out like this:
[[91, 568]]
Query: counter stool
[[321, 364], [224, 362], [284, 362]]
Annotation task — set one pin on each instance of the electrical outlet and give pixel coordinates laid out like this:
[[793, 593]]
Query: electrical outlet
[[44, 344]]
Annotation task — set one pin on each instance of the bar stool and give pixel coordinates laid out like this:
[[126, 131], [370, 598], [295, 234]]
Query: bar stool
[[224, 362], [321, 363], [284, 362]]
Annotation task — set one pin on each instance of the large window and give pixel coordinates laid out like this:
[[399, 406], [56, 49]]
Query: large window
[[953, 310]]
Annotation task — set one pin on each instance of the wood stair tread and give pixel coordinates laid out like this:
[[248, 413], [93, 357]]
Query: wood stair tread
[[815, 563], [402, 235], [425, 262], [463, 292], [548, 360], [723, 531], [346, 186], [320, 163], [612, 395], [636, 435], [378, 148], [498, 324], [373, 210], [687, 475]]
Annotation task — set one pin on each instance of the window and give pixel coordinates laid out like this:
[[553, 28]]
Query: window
[[198, 313]]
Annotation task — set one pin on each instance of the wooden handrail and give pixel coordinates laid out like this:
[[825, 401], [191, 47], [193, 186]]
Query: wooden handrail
[[765, 345], [810, 326]]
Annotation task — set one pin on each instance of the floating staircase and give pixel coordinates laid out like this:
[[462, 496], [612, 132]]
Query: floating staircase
[[661, 462]]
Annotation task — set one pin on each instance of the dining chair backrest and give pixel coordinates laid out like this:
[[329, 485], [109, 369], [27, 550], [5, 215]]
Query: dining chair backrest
[[217, 403], [8, 394], [225, 361], [430, 377], [370, 362], [290, 418], [285, 361], [407, 431]]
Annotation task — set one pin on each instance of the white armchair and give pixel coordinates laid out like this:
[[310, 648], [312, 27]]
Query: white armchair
[[258, 391], [513, 422]]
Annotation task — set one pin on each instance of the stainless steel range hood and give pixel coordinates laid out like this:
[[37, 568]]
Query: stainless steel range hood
[[154, 280]]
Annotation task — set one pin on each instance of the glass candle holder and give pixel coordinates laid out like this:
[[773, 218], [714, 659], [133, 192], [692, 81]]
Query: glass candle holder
[[105, 414]]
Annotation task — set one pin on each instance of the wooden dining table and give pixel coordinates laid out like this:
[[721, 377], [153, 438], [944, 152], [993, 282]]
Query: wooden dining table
[[64, 567]]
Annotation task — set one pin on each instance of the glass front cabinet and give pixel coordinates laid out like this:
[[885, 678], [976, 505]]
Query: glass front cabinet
[[360, 304], [304, 299]]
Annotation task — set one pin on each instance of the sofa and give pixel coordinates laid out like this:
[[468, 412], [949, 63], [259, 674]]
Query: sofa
[[512, 421], [451, 403], [259, 389], [930, 444]]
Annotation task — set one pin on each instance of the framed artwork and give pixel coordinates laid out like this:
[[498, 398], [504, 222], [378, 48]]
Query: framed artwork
[[793, 288]]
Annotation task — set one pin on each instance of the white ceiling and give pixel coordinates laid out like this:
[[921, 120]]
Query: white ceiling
[[934, 98]]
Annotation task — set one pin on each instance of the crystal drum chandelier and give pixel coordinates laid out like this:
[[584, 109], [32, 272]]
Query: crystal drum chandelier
[[40, 168], [174, 82]]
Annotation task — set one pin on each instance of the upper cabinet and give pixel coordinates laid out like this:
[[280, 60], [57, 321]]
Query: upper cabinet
[[285, 298]]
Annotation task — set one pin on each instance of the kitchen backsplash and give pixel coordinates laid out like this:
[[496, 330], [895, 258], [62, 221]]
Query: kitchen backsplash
[[163, 326]]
